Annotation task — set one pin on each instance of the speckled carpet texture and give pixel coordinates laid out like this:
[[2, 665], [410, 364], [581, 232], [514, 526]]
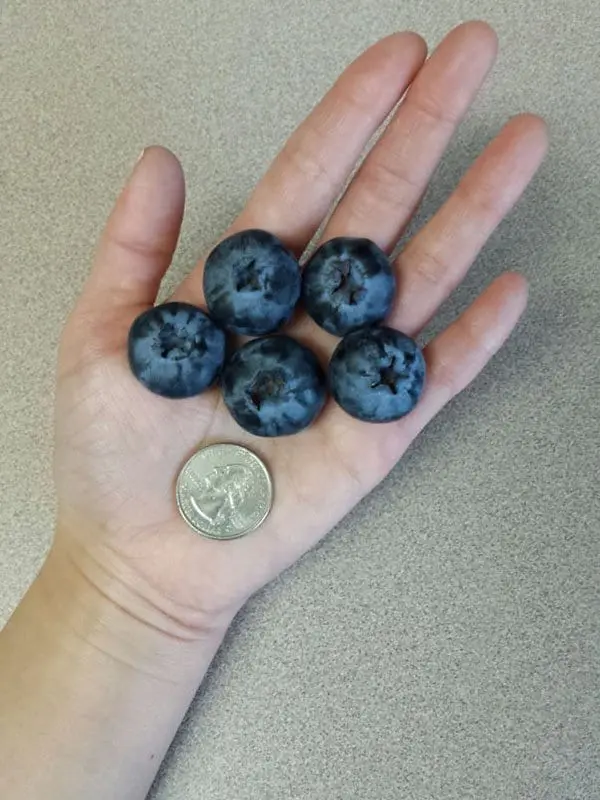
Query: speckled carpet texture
[[443, 643]]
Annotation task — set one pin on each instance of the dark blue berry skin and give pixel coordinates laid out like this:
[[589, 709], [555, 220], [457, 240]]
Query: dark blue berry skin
[[377, 374], [274, 386], [347, 284], [251, 283], [176, 350]]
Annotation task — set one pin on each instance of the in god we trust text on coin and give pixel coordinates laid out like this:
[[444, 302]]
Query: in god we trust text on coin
[[224, 491]]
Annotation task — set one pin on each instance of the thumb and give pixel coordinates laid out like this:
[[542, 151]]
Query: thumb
[[137, 245]]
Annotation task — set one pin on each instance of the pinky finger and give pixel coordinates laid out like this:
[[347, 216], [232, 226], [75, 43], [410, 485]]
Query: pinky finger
[[457, 355]]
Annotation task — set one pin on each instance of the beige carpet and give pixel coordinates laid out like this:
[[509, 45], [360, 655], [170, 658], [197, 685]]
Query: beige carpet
[[444, 642]]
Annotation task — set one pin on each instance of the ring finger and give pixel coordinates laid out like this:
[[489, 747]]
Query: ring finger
[[436, 260]]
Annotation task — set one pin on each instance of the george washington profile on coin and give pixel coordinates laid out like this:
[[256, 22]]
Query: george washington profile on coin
[[222, 494], [224, 491]]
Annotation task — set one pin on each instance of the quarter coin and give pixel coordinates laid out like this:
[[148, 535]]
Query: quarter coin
[[224, 491]]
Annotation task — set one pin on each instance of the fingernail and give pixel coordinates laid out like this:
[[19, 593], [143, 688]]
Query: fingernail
[[141, 155]]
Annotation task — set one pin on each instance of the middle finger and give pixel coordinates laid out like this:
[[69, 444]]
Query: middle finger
[[389, 186]]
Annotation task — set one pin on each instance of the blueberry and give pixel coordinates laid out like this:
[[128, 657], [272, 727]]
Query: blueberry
[[176, 350], [376, 374], [251, 283], [273, 386], [347, 284]]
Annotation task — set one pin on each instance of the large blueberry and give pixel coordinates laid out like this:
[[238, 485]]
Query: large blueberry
[[251, 283], [347, 284], [176, 350], [376, 374], [273, 386]]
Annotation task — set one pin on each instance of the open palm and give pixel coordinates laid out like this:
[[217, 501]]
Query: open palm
[[120, 448]]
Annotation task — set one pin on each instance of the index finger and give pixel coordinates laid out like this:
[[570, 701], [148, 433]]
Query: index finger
[[294, 196]]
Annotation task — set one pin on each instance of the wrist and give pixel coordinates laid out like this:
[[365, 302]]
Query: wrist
[[94, 683], [89, 604]]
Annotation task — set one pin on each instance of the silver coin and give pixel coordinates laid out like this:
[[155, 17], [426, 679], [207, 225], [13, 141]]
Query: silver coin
[[224, 491]]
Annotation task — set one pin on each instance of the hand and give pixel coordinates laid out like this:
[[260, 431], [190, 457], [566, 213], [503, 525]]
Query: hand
[[119, 448]]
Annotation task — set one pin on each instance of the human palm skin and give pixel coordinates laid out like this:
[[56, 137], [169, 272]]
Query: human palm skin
[[119, 448]]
